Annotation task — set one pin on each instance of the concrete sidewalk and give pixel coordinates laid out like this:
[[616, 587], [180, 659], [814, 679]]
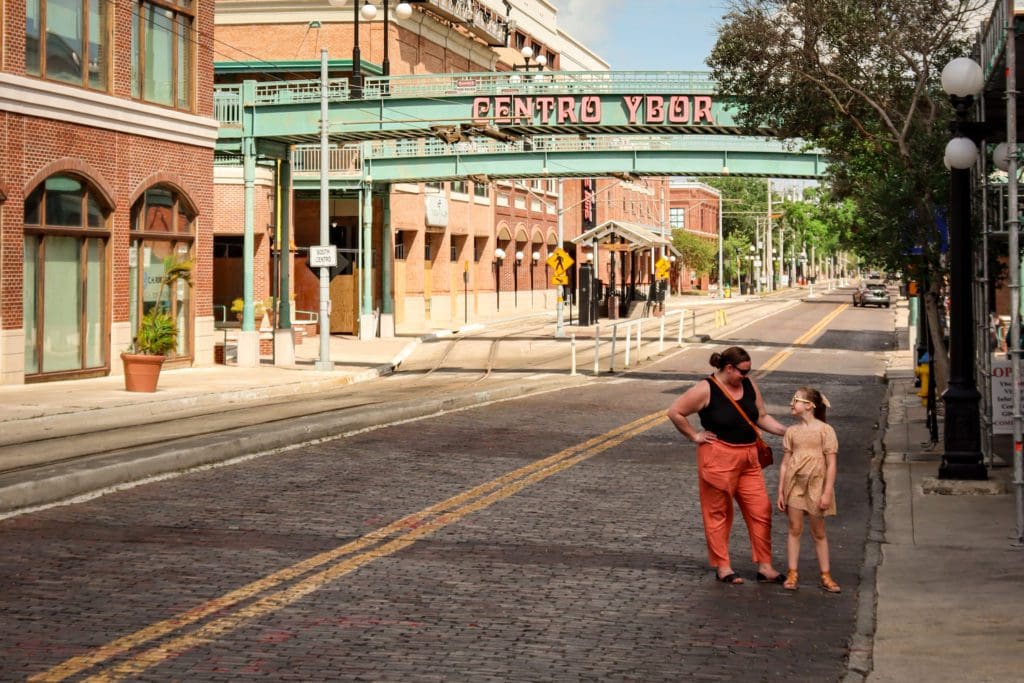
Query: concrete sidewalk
[[948, 603]]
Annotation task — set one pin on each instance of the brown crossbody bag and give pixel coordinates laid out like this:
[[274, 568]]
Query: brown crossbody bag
[[764, 451]]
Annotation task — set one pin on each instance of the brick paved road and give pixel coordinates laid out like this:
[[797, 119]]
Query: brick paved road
[[591, 569]]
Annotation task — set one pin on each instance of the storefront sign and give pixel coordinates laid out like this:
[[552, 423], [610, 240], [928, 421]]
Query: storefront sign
[[436, 211], [590, 109], [1002, 396], [589, 206]]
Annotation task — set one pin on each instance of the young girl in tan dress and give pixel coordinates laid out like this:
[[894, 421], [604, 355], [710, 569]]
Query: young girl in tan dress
[[807, 479]]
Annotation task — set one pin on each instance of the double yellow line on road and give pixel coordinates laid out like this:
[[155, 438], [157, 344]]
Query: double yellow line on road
[[781, 357], [303, 578], [331, 565]]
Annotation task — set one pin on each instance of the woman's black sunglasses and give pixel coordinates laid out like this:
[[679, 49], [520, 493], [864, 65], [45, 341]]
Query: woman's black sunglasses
[[742, 371]]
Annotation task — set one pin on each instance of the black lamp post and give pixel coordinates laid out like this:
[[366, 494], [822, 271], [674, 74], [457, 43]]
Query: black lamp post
[[533, 267], [515, 277], [962, 458], [537, 64], [403, 10], [499, 256]]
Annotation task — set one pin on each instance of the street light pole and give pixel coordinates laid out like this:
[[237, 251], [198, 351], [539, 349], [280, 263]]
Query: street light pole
[[962, 457], [499, 255]]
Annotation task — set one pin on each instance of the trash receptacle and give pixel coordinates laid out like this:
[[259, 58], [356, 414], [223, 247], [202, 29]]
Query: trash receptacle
[[613, 306]]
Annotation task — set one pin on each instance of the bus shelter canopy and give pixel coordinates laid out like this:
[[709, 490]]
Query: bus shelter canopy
[[637, 236]]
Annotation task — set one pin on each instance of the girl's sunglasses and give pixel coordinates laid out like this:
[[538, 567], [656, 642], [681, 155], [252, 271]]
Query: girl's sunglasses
[[741, 370], [796, 399]]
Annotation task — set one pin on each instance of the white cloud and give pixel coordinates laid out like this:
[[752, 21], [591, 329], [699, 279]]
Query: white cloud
[[587, 20]]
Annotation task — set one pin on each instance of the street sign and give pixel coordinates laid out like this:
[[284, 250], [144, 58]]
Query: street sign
[[559, 260], [323, 257], [661, 268]]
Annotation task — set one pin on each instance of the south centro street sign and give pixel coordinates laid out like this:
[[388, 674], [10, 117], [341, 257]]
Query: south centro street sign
[[605, 110]]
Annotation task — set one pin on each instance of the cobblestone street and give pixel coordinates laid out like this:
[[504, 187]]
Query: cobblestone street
[[442, 549]]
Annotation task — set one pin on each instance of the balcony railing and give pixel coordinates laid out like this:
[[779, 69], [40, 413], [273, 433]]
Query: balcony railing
[[345, 160], [481, 20]]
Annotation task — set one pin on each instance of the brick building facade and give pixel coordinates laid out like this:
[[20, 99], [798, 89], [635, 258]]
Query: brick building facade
[[106, 166]]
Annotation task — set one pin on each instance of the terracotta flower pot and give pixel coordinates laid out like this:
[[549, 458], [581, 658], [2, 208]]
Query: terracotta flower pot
[[141, 371]]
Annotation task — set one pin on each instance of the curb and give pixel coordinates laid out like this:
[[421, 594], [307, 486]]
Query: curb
[[74, 422], [62, 482], [860, 662]]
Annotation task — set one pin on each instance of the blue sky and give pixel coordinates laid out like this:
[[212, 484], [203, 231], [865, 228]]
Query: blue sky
[[645, 35]]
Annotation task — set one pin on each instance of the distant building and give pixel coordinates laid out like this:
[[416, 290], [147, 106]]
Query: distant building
[[695, 208]]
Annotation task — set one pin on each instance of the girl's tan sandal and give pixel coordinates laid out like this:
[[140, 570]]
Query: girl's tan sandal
[[828, 584], [791, 579]]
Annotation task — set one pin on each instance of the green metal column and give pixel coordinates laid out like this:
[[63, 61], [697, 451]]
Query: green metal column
[[248, 241], [366, 308], [249, 204], [386, 254], [284, 232]]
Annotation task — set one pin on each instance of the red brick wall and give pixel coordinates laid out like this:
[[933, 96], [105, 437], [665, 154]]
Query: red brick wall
[[122, 167]]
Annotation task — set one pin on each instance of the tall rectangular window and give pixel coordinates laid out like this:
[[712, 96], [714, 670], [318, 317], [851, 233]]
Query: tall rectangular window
[[677, 217], [67, 41], [162, 54]]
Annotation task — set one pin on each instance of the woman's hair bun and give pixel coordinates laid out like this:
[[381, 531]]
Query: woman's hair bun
[[716, 360]]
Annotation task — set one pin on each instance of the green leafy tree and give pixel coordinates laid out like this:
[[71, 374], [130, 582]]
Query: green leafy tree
[[698, 253], [860, 80]]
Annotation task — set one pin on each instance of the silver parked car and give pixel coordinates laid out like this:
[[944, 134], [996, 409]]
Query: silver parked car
[[871, 295]]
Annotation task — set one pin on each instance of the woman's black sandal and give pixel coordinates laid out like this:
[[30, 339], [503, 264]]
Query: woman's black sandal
[[729, 578], [778, 578]]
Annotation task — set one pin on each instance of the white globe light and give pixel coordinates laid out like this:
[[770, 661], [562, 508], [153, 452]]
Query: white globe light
[[590, 258], [542, 60], [1001, 156], [514, 78], [499, 253], [368, 11], [945, 162], [519, 256], [526, 52], [962, 77], [403, 10], [536, 255], [961, 153], [672, 258]]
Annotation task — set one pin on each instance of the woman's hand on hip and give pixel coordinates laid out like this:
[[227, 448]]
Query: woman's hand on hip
[[704, 437]]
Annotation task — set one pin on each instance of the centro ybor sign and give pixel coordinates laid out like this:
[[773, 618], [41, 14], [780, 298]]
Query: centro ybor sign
[[567, 109]]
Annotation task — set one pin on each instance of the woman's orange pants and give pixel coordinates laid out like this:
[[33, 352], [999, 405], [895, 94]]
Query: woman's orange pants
[[726, 471]]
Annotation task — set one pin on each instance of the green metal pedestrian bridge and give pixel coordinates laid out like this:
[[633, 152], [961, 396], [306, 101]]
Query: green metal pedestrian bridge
[[506, 124], [484, 126]]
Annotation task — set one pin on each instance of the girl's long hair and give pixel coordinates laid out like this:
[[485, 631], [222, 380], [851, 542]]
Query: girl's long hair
[[815, 397]]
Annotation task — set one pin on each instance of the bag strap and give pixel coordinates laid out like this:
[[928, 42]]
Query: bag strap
[[736, 405]]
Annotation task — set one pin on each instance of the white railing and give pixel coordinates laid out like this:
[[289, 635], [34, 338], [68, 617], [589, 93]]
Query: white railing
[[345, 160], [634, 335]]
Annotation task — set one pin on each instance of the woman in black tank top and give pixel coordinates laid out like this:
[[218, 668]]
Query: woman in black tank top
[[727, 464]]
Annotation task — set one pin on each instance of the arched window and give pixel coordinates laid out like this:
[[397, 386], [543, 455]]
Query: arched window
[[163, 225], [64, 297]]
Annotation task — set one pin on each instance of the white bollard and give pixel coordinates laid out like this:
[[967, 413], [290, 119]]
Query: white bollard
[[572, 347], [629, 343], [639, 336], [679, 339], [611, 360]]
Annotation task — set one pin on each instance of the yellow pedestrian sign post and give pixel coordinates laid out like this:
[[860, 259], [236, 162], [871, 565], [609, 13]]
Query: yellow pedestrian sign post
[[560, 261], [661, 268]]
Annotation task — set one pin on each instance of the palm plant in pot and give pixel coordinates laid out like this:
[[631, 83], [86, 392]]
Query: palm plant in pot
[[157, 333]]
